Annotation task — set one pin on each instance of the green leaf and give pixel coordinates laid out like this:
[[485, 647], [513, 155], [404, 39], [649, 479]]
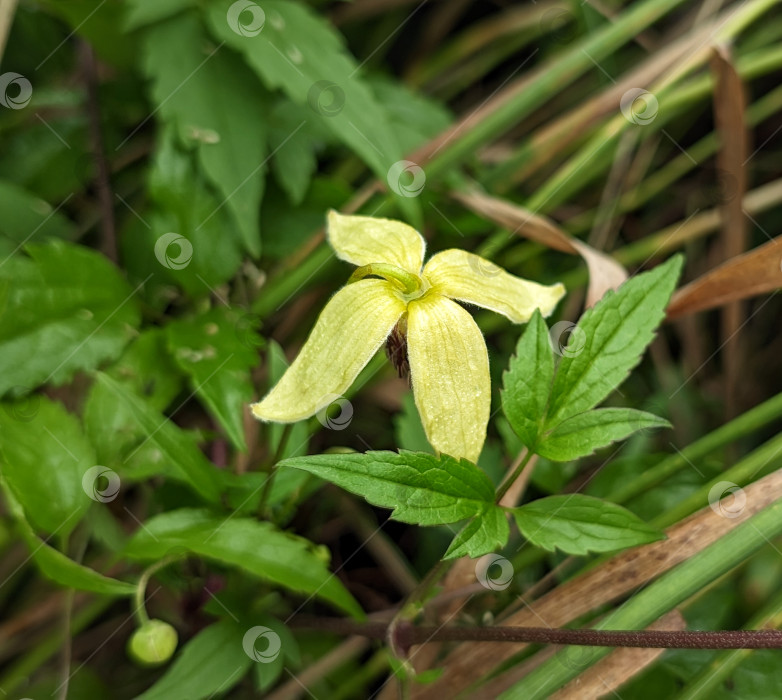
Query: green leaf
[[55, 565], [415, 118], [482, 535], [146, 369], [578, 524], [27, 218], [44, 458], [217, 361], [181, 204], [420, 488], [175, 446], [299, 52], [295, 159], [614, 334], [581, 435], [211, 663], [65, 308], [143, 12], [218, 107], [527, 383], [256, 547]]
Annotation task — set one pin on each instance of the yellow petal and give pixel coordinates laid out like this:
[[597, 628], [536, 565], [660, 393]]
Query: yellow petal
[[473, 279], [449, 367], [349, 331], [362, 240]]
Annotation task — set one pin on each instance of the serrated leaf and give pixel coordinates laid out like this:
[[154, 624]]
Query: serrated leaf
[[256, 547], [176, 447], [420, 488], [217, 362], [299, 52], [55, 565], [614, 334], [218, 107], [527, 383], [44, 458], [295, 160], [578, 524], [581, 435], [484, 534], [65, 308], [181, 203], [210, 664]]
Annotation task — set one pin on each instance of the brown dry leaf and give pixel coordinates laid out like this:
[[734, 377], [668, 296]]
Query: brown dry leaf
[[756, 272], [619, 576], [604, 272], [612, 671], [729, 114]]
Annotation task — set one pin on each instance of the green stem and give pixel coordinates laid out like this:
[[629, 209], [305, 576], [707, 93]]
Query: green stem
[[745, 424], [278, 453], [706, 682], [670, 590], [140, 612]]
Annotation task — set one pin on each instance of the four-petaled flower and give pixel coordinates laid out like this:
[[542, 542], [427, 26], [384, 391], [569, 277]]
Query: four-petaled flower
[[449, 363]]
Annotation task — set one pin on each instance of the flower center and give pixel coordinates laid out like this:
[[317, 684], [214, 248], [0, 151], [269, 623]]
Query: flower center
[[412, 286]]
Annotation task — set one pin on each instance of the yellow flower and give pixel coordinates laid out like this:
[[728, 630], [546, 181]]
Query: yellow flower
[[449, 364]]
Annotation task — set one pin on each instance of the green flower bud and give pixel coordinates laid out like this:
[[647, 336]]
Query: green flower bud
[[153, 643]]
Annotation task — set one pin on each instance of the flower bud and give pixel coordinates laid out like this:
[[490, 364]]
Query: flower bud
[[153, 643]]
